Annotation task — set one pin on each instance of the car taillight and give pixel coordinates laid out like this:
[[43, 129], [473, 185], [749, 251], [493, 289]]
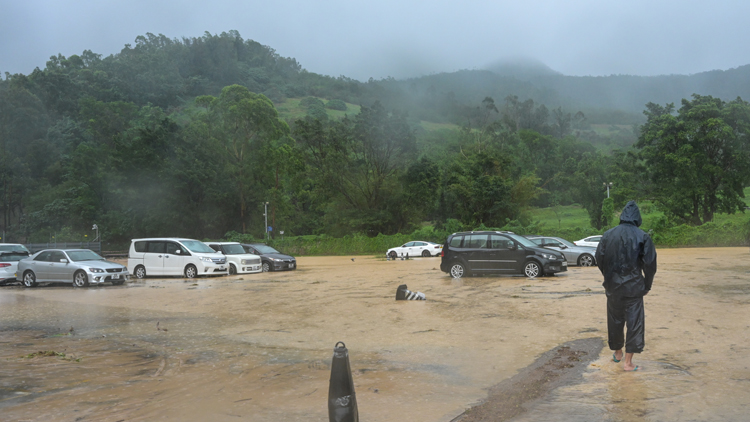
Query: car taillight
[[3, 265], [442, 253]]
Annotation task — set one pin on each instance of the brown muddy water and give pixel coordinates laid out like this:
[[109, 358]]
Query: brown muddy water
[[259, 347]]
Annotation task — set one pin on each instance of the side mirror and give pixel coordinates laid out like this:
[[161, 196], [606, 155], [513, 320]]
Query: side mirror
[[177, 252], [513, 247], [64, 261]]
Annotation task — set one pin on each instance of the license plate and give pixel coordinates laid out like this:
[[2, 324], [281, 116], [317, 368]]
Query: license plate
[[222, 268], [115, 276], [565, 264], [291, 265]]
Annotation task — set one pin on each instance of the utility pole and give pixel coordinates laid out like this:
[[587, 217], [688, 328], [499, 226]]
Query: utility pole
[[265, 214], [608, 185]]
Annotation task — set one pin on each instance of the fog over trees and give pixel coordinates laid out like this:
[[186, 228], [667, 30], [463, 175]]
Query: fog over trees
[[192, 136]]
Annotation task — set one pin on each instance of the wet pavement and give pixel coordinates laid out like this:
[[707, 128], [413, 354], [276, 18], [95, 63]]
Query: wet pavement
[[258, 347]]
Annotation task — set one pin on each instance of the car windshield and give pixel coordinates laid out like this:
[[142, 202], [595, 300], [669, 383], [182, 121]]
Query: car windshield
[[12, 256], [84, 256], [265, 249], [522, 240], [234, 249], [196, 246], [565, 242]]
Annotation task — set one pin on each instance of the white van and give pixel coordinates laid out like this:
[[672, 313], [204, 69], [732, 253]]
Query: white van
[[239, 261], [174, 256]]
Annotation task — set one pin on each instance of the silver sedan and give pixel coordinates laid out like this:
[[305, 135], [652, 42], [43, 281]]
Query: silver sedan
[[575, 255], [78, 266]]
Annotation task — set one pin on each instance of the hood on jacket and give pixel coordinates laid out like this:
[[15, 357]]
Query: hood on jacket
[[631, 214]]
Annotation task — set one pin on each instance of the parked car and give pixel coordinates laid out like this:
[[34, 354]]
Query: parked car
[[174, 257], [78, 266], [272, 260], [416, 248], [575, 255], [10, 254], [592, 241], [469, 253], [239, 261]]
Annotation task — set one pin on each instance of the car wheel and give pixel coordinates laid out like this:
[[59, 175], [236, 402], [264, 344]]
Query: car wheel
[[532, 269], [266, 267], [140, 271], [232, 269], [426, 253], [80, 279], [191, 271], [394, 255], [29, 279], [457, 270], [585, 260]]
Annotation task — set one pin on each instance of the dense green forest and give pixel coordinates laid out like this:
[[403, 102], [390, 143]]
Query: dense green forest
[[199, 136]]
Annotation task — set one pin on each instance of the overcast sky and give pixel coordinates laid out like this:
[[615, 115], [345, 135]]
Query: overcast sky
[[402, 38]]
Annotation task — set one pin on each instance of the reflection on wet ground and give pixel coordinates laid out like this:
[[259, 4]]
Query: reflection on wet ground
[[258, 347]]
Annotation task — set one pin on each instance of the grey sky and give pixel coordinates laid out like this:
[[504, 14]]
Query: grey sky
[[402, 38]]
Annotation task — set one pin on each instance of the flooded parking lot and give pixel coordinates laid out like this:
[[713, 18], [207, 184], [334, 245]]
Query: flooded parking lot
[[258, 347]]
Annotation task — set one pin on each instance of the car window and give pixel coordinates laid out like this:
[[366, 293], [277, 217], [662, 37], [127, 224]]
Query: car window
[[56, 256], [408, 245], [140, 246], [552, 242], [156, 247], [538, 241], [500, 242], [12, 256], [14, 248], [456, 241], [44, 256], [176, 249], [475, 241]]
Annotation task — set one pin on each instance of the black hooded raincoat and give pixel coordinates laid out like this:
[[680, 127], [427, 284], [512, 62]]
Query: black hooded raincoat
[[626, 256]]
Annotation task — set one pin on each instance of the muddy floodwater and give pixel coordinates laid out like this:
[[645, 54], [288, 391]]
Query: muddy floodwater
[[259, 347]]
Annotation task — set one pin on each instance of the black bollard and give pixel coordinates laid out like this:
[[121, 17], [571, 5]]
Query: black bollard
[[342, 403], [402, 293]]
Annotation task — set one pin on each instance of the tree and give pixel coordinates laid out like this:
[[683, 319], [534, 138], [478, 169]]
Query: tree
[[242, 123], [699, 159]]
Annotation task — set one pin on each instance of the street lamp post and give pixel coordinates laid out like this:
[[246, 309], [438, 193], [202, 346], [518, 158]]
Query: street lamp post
[[265, 214], [608, 185]]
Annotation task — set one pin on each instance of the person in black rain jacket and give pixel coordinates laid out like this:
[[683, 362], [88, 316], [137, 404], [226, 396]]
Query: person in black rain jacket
[[627, 259]]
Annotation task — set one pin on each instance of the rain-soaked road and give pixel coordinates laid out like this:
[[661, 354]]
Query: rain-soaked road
[[258, 347]]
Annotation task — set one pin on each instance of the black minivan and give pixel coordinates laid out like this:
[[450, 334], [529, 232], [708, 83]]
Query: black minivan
[[495, 252]]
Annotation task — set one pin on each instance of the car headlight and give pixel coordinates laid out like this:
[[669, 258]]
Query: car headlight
[[276, 259], [96, 270], [549, 256], [207, 259]]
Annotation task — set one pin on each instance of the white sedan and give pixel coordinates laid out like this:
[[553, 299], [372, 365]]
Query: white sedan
[[589, 241], [417, 248]]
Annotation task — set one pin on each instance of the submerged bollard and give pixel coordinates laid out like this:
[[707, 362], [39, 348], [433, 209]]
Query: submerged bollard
[[342, 403], [402, 293]]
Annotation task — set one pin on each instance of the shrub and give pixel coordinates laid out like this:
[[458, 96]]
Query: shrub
[[336, 105]]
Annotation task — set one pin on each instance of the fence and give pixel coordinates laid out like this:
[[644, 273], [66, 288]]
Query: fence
[[94, 246]]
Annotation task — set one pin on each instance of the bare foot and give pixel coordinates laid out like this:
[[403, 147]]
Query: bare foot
[[617, 355], [631, 368]]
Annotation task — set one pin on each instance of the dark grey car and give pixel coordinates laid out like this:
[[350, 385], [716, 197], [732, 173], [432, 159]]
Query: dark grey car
[[272, 260], [80, 267], [488, 252]]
